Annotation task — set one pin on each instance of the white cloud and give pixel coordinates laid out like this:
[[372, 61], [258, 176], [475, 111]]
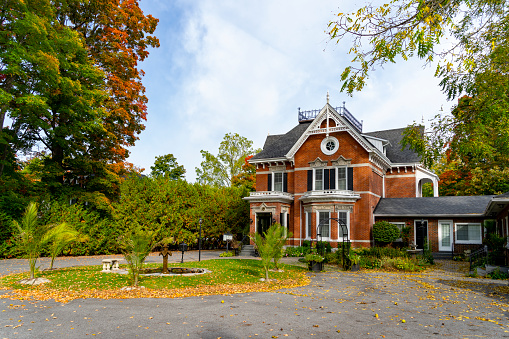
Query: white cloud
[[246, 67]]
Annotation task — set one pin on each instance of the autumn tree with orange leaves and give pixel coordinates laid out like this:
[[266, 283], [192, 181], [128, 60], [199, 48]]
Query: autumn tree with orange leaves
[[70, 83]]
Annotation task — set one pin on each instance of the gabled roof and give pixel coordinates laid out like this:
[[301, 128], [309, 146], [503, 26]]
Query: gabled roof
[[277, 146], [394, 152], [468, 206]]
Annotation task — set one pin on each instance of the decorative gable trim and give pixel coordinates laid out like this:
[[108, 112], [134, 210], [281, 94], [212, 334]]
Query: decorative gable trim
[[342, 161], [341, 125], [318, 163]]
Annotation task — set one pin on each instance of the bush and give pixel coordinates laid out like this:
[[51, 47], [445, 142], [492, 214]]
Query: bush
[[385, 232], [313, 257], [323, 247], [227, 254], [380, 252], [299, 251]]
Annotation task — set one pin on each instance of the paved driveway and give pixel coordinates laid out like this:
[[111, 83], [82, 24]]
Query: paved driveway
[[335, 305]]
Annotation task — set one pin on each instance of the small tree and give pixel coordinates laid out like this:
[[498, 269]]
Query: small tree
[[59, 237], [30, 236], [265, 250], [385, 232], [136, 247], [280, 235], [270, 245]]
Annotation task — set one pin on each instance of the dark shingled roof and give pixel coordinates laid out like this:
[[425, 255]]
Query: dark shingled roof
[[277, 146], [394, 152], [503, 195], [433, 206]]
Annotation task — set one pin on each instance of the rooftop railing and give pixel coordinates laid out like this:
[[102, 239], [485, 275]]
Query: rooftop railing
[[311, 114]]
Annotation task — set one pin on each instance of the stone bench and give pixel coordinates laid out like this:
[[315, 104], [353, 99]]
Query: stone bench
[[108, 264]]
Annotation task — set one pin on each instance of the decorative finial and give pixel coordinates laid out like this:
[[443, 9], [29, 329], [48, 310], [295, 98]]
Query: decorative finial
[[344, 102], [327, 96]]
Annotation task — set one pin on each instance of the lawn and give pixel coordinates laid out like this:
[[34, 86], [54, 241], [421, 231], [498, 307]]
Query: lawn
[[226, 276]]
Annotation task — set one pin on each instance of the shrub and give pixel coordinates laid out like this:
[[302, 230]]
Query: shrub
[[299, 251], [313, 257], [385, 232], [380, 252], [227, 254], [323, 247]]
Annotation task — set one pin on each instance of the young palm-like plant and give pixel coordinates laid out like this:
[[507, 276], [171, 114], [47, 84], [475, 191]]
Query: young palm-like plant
[[136, 247], [264, 246], [61, 236], [30, 236], [280, 235]]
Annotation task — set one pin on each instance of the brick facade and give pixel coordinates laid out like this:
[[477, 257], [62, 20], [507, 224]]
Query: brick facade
[[369, 173]]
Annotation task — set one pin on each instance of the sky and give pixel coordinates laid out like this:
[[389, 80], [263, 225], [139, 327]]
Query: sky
[[238, 66]]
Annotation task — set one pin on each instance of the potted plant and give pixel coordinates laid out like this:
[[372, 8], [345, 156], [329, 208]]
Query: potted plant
[[355, 259], [315, 262]]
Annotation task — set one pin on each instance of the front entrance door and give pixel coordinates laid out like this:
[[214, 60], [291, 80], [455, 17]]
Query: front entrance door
[[263, 222], [421, 233], [444, 235]]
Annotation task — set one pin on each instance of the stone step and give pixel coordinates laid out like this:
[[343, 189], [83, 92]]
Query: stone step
[[248, 250], [442, 255]]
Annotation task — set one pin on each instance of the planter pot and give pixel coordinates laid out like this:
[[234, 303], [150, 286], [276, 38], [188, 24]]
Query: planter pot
[[355, 267], [315, 266]]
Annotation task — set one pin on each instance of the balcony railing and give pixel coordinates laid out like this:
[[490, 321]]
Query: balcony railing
[[331, 192], [311, 114], [271, 194]]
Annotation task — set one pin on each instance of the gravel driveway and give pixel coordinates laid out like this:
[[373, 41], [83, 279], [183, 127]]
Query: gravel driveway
[[368, 304]]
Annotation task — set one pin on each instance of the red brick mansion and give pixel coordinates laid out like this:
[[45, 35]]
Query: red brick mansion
[[327, 167]]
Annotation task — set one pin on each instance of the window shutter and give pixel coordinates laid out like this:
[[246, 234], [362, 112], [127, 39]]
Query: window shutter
[[288, 221], [310, 180], [285, 182], [282, 219], [269, 182], [350, 178], [332, 178], [325, 179]]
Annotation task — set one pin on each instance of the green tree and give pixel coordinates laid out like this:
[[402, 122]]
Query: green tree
[[69, 82], [219, 170], [167, 166], [406, 28], [247, 177], [384, 232]]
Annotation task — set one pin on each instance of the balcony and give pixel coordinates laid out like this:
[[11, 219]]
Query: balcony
[[330, 195], [311, 114], [270, 196]]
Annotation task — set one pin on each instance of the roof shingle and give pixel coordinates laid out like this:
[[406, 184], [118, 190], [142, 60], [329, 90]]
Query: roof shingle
[[433, 206]]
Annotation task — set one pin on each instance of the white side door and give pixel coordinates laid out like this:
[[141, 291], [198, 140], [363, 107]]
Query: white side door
[[445, 235]]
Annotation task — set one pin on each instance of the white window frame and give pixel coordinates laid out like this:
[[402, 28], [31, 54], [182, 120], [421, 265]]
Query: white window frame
[[340, 237], [346, 178], [318, 222], [308, 226], [440, 235], [274, 181], [400, 225], [314, 178], [475, 241]]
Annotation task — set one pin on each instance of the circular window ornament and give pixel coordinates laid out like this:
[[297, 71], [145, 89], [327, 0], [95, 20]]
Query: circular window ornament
[[329, 145]]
